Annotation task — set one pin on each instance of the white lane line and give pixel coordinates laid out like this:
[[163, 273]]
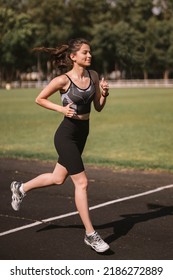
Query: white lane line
[[91, 208], [131, 196]]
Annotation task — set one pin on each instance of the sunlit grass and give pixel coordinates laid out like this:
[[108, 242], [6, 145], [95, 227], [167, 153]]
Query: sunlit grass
[[133, 131]]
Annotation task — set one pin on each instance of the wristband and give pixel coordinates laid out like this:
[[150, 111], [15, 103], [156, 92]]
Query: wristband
[[105, 95]]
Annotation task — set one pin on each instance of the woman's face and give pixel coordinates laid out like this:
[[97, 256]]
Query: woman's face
[[83, 56]]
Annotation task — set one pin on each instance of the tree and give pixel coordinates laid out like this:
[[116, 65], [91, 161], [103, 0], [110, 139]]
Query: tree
[[16, 36], [131, 35], [129, 48], [144, 38], [52, 21]]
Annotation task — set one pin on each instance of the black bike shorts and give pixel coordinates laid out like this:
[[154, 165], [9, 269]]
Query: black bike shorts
[[69, 140]]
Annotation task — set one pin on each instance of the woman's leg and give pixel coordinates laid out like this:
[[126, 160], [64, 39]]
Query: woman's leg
[[92, 238], [19, 190], [58, 176], [81, 184]]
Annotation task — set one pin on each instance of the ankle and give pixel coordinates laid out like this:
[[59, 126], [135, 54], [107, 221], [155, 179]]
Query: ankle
[[90, 233], [21, 189]]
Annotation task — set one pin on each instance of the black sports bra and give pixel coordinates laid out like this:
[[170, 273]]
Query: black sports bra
[[81, 98]]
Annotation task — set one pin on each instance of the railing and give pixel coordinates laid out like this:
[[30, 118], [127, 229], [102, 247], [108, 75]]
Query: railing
[[112, 84], [140, 83]]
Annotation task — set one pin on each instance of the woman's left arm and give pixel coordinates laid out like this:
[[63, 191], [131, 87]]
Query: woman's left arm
[[102, 91]]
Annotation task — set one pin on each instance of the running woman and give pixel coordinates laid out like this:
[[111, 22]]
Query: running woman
[[78, 87]]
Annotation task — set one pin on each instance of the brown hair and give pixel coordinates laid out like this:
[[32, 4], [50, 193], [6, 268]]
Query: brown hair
[[61, 55]]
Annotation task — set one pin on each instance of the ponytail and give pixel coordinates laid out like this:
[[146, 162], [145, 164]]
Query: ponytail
[[61, 55], [58, 55]]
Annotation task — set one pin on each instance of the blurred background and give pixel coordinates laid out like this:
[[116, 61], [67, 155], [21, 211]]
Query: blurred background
[[130, 39]]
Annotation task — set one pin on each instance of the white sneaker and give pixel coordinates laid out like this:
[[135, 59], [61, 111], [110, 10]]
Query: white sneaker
[[96, 242], [17, 196]]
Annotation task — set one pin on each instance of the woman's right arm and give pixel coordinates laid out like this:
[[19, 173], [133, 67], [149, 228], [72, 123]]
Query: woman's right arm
[[58, 83]]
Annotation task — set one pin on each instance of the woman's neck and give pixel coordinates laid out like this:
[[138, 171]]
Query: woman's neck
[[78, 72]]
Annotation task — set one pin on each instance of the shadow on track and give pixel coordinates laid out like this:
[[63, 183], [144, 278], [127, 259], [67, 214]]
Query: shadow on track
[[123, 226]]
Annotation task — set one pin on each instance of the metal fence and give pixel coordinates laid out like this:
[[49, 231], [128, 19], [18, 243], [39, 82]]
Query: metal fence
[[140, 83], [112, 84]]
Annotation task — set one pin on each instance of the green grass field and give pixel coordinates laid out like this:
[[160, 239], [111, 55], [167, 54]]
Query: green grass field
[[133, 131]]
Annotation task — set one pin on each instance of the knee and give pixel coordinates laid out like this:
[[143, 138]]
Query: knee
[[59, 181], [82, 184]]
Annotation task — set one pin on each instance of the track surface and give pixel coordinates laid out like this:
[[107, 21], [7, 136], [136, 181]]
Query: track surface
[[137, 223]]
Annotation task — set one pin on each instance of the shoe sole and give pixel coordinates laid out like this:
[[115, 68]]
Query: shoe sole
[[13, 194], [98, 251]]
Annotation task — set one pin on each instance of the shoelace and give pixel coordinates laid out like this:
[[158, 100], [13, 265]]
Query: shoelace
[[97, 238]]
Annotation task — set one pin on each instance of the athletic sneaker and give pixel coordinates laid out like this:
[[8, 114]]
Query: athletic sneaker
[[17, 196], [96, 242]]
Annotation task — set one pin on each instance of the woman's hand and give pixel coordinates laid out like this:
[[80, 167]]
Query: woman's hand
[[104, 87], [68, 112]]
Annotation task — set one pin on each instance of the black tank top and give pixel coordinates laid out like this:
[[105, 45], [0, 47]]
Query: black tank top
[[81, 98]]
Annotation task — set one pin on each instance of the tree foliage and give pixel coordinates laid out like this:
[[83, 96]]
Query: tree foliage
[[132, 36]]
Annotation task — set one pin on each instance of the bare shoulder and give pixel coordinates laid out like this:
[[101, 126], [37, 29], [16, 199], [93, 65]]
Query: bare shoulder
[[60, 81]]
